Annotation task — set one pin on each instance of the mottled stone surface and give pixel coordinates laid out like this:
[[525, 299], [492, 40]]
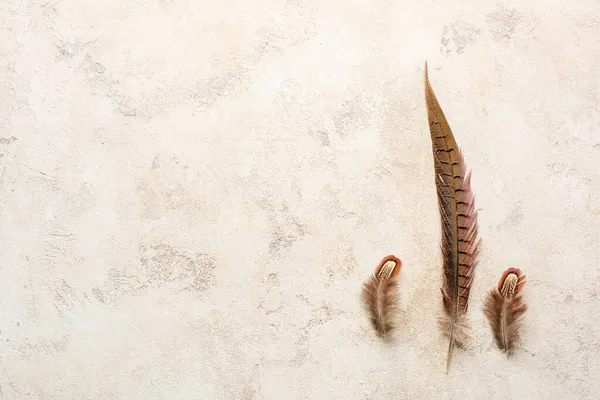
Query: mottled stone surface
[[192, 192]]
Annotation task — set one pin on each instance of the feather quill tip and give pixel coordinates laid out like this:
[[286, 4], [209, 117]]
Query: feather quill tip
[[379, 295]]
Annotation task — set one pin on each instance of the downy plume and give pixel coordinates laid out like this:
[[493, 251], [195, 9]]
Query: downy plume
[[459, 223], [379, 295], [504, 308]]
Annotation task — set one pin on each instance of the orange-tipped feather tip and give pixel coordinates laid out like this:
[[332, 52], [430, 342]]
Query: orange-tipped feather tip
[[397, 267], [520, 275]]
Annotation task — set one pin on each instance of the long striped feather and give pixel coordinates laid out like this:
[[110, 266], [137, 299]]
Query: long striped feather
[[459, 223]]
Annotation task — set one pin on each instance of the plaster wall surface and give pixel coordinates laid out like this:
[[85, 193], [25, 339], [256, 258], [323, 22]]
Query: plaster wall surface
[[192, 192]]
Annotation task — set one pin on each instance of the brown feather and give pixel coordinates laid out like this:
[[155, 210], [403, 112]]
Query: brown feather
[[379, 295], [459, 222], [504, 308]]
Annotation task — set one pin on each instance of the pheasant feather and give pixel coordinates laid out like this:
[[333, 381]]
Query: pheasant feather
[[458, 220], [379, 295], [504, 309]]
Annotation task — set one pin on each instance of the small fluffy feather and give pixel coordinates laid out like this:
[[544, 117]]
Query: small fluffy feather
[[504, 308]]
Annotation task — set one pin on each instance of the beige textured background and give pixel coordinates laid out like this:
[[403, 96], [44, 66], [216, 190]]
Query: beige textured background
[[191, 193]]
